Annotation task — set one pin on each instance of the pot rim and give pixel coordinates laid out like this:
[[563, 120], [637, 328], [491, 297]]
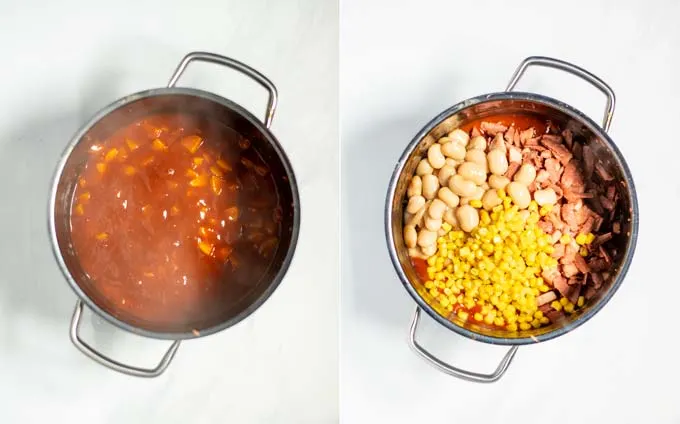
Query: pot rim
[[163, 91], [576, 115]]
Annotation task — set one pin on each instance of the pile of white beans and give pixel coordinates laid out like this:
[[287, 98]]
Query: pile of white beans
[[458, 170]]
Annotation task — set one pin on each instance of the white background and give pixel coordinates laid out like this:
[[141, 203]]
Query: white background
[[404, 62], [64, 60]]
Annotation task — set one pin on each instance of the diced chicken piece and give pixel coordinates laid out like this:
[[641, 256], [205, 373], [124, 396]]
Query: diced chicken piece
[[558, 253], [493, 129], [569, 270], [514, 155], [550, 275], [581, 264], [553, 168], [572, 178], [545, 226], [546, 298], [558, 150], [569, 215], [526, 135]]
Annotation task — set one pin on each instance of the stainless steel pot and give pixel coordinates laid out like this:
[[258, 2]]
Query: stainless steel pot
[[488, 106], [173, 99]]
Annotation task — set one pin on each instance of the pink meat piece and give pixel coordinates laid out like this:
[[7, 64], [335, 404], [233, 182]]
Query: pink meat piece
[[545, 226], [573, 196], [558, 150], [569, 216], [581, 264], [572, 178], [553, 168], [605, 255], [510, 133], [602, 172], [590, 292], [559, 251], [542, 176], [555, 316], [546, 298], [492, 129], [512, 170], [498, 142], [550, 275], [561, 284], [569, 270]]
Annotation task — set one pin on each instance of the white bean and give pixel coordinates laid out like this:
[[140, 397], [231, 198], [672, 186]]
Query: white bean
[[445, 173], [476, 156], [498, 142], [417, 218], [410, 236], [424, 168], [498, 163], [415, 203], [545, 197], [435, 156], [459, 136], [450, 217], [415, 188], [427, 238], [452, 162], [414, 252], [449, 197], [524, 214], [433, 224], [437, 209], [444, 140], [526, 174], [490, 199], [454, 151], [519, 193], [485, 186], [430, 186], [468, 218], [498, 181], [477, 143], [461, 187], [478, 194], [473, 172], [429, 250]]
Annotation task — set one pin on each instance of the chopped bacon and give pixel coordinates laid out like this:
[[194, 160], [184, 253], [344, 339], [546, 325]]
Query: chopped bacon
[[493, 129], [568, 138], [590, 293], [572, 178], [598, 264], [512, 170], [569, 215], [588, 161], [602, 239], [573, 196], [561, 284], [550, 275], [553, 168], [546, 298], [569, 270], [602, 172], [574, 290], [577, 151], [558, 150], [581, 264]]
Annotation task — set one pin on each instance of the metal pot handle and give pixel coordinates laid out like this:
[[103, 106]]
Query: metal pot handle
[[450, 369], [574, 70], [111, 363], [236, 65]]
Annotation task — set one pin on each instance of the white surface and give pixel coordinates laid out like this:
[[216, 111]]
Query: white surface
[[61, 62], [403, 64]]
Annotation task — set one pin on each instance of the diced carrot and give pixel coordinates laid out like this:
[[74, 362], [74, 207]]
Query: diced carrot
[[102, 236], [216, 171], [191, 173], [173, 184], [198, 161], [80, 210], [82, 183], [85, 196], [129, 170], [148, 161], [224, 165], [158, 145], [216, 185], [261, 170], [232, 213], [206, 248], [149, 274], [111, 154], [132, 145], [192, 143], [174, 210], [207, 158], [200, 181], [122, 154], [101, 167], [224, 252]]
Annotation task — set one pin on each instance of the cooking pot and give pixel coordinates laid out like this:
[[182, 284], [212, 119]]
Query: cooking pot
[[136, 106], [488, 106]]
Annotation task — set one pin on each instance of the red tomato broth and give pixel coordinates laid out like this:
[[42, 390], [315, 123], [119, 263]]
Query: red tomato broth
[[168, 235]]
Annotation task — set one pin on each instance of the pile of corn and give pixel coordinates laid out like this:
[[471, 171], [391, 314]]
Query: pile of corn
[[496, 268]]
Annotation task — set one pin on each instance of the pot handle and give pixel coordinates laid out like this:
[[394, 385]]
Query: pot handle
[[454, 371], [236, 65], [549, 62], [111, 363]]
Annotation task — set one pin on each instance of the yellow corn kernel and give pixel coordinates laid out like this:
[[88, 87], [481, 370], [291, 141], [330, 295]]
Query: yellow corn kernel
[[512, 327], [206, 248], [545, 320], [589, 238], [132, 145], [111, 154], [524, 326], [556, 305], [444, 301], [581, 301], [478, 316], [446, 227], [158, 145], [101, 167], [198, 161], [564, 301], [192, 143], [79, 209], [102, 236], [476, 203], [581, 239], [583, 251], [216, 171], [224, 165], [463, 315], [569, 308], [565, 239], [129, 170]]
